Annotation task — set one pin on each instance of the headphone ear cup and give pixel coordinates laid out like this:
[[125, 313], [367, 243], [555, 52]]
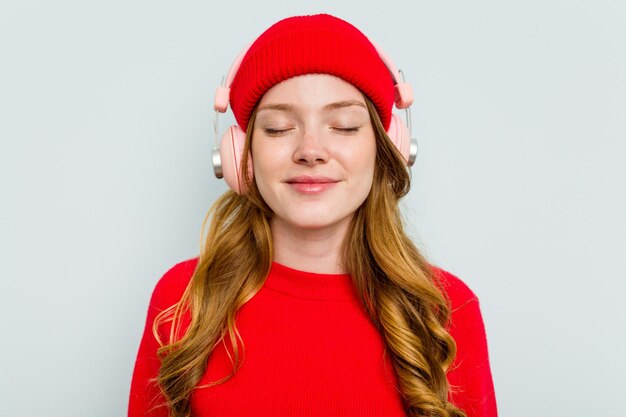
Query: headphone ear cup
[[399, 134], [231, 154]]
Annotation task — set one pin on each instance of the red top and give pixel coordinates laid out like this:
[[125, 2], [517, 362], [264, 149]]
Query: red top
[[311, 350]]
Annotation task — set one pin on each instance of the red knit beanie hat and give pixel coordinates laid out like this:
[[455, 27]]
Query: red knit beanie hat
[[300, 45]]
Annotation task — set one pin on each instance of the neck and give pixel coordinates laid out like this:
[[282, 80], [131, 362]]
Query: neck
[[313, 250]]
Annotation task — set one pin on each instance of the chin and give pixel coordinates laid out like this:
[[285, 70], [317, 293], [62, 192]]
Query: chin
[[318, 222]]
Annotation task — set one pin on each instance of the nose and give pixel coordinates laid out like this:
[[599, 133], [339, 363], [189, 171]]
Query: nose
[[310, 149]]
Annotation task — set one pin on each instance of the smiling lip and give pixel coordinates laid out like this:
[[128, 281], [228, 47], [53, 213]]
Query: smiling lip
[[306, 184]]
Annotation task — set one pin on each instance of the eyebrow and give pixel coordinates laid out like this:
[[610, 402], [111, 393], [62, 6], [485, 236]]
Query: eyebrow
[[291, 108], [342, 104]]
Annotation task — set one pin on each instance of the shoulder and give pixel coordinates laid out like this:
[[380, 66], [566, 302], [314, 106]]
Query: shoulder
[[171, 286], [469, 375], [465, 324], [457, 291]]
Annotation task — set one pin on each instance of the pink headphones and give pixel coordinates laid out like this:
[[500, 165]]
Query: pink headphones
[[228, 157]]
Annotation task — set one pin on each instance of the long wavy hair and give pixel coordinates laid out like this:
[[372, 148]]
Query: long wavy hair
[[395, 283]]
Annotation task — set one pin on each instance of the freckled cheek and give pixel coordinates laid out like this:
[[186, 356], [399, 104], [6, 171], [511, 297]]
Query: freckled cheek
[[268, 167], [366, 181], [358, 159], [363, 169]]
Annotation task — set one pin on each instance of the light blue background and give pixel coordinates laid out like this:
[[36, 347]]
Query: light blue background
[[105, 175]]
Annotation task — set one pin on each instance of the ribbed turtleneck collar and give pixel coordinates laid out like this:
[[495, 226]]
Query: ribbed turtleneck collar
[[310, 285]]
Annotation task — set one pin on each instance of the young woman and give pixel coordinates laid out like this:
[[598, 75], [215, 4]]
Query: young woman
[[308, 299]]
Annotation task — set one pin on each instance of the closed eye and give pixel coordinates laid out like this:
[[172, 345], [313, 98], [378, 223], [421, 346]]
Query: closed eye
[[275, 132], [347, 129]]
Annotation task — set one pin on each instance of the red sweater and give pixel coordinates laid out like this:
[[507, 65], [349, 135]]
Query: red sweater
[[311, 350]]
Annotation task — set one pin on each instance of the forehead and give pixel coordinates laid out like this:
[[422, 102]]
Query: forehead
[[311, 91]]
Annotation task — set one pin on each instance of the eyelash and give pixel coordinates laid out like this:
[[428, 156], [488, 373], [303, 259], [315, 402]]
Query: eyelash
[[347, 129], [277, 132]]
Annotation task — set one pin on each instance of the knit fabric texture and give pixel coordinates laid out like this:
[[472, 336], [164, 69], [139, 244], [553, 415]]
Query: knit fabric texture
[[316, 44]]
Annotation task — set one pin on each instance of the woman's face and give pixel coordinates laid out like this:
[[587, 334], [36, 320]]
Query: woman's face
[[313, 150]]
